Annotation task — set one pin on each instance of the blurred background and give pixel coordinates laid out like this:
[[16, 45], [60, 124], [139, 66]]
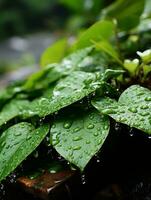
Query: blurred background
[[27, 27]]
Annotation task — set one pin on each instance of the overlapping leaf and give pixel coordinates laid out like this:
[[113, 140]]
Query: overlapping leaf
[[13, 109], [79, 134], [133, 108], [16, 143], [69, 90]]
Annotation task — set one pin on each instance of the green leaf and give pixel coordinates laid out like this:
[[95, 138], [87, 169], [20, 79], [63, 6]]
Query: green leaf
[[16, 143], [111, 73], [54, 53], [107, 48], [12, 110], [79, 134], [127, 13], [145, 56], [131, 66], [99, 31], [9, 92], [43, 77], [53, 72], [69, 90], [133, 108], [72, 61]]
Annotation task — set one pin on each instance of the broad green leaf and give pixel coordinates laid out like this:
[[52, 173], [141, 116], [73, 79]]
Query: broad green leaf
[[54, 53], [133, 108], [79, 134], [127, 13], [53, 72], [107, 48], [99, 31], [13, 109], [69, 90], [16, 143]]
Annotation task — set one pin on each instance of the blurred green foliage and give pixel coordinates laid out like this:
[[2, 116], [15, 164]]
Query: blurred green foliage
[[24, 16]]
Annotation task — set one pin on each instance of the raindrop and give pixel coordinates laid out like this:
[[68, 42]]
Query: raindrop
[[147, 98], [144, 113], [88, 142], [140, 94], [95, 134], [28, 137], [108, 111], [67, 125], [131, 132], [99, 141], [70, 147], [76, 147], [144, 106], [77, 138], [76, 129], [91, 116], [90, 126], [133, 110], [3, 144], [70, 154], [105, 127], [83, 179], [17, 133], [122, 119]]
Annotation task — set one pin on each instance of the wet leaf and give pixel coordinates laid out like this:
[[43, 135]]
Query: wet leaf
[[53, 72], [16, 143], [69, 90], [9, 92], [133, 108], [79, 134], [12, 110]]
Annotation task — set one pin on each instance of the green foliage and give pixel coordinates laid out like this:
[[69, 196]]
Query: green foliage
[[127, 13], [16, 143], [100, 31], [69, 90], [62, 95], [79, 134], [107, 48], [133, 108], [54, 53], [12, 110]]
